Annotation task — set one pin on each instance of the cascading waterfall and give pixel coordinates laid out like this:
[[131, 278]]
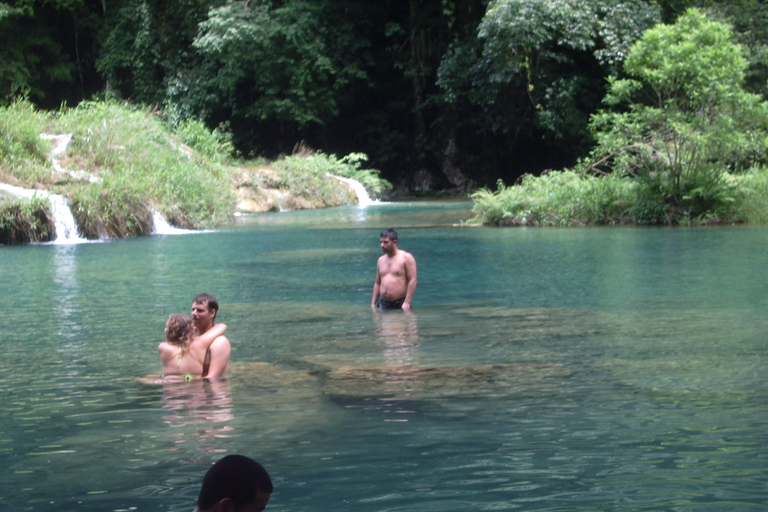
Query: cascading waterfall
[[60, 143], [162, 227], [363, 198], [65, 224], [63, 220]]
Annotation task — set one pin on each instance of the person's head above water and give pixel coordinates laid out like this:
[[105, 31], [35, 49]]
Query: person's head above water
[[235, 483], [209, 301], [204, 310], [389, 233], [179, 329]]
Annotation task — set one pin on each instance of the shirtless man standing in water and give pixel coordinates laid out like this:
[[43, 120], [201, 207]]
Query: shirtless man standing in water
[[204, 309], [395, 275]]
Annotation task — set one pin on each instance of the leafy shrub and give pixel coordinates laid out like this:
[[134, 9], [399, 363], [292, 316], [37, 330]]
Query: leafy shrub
[[23, 154], [135, 156], [26, 220], [648, 211], [751, 196], [308, 174], [562, 198], [214, 145], [684, 121], [111, 212]]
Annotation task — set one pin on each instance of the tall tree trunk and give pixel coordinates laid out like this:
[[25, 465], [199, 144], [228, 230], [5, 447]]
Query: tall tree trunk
[[417, 78]]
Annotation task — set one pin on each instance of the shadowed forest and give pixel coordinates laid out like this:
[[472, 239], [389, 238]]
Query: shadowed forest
[[440, 94]]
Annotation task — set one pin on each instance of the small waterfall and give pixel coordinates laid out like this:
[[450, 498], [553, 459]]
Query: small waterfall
[[162, 227], [363, 199], [63, 220], [60, 143]]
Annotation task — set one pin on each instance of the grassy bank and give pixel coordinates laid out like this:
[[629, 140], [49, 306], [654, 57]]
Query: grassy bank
[[123, 162], [568, 198]]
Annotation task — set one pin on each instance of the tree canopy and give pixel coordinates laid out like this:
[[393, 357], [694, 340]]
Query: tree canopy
[[687, 118], [439, 93]]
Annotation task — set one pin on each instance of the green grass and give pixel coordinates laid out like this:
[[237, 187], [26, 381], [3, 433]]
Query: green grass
[[556, 199], [24, 221], [23, 153], [752, 195], [308, 174], [128, 160], [141, 164], [567, 198]]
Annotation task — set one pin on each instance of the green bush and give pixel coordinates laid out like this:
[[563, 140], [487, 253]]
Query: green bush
[[109, 213], [23, 153], [561, 198], [307, 174], [682, 122], [26, 220], [136, 157], [214, 145], [751, 196]]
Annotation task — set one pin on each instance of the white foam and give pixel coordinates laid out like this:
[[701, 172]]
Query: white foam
[[63, 220], [363, 198], [162, 227]]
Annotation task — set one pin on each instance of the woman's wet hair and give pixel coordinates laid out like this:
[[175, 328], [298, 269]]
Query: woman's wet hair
[[180, 330]]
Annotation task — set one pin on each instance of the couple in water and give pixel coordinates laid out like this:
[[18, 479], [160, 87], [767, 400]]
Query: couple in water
[[195, 348]]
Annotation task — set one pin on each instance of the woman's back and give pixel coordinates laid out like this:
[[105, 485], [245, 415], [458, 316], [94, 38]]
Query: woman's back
[[183, 354]]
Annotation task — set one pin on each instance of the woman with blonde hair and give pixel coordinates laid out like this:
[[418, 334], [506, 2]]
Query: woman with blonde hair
[[184, 356]]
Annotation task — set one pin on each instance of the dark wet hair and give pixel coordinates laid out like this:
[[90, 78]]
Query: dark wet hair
[[389, 233], [208, 300], [236, 477]]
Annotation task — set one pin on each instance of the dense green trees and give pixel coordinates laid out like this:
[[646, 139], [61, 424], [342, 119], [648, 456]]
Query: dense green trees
[[673, 145], [537, 71], [688, 120], [439, 93]]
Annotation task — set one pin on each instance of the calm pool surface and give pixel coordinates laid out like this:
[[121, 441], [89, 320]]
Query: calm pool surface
[[599, 369]]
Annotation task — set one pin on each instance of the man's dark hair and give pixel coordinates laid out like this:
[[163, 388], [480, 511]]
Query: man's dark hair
[[208, 300], [389, 233], [236, 477]]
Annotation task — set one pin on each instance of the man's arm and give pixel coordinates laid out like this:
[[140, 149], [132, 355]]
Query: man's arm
[[220, 350], [204, 340], [412, 277], [376, 286]]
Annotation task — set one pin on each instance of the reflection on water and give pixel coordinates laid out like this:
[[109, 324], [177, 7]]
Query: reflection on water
[[205, 406], [67, 289], [398, 333], [541, 369]]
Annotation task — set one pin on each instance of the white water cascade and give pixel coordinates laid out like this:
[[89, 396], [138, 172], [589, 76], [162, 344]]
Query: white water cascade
[[363, 198], [63, 220], [60, 143], [162, 227]]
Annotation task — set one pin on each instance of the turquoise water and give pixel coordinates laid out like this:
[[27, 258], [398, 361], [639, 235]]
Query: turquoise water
[[594, 369]]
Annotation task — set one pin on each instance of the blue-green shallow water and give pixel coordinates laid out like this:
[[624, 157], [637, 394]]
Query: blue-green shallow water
[[542, 369]]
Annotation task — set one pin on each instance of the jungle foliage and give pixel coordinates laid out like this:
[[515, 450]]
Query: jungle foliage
[[441, 94], [25, 221], [121, 164], [671, 148]]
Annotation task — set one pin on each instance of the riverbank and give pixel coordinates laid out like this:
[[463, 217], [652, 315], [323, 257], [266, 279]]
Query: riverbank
[[117, 167], [571, 198]]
